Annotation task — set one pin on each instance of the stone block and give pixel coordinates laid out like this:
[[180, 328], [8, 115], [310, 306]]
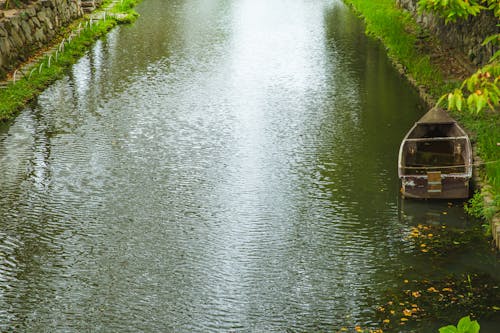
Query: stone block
[[46, 3], [16, 39], [39, 35], [36, 22], [31, 11], [3, 32], [26, 29], [4, 46]]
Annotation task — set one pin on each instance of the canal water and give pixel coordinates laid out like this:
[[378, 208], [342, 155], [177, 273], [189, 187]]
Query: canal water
[[219, 166]]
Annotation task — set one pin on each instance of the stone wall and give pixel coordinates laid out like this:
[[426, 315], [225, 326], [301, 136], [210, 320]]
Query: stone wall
[[464, 36], [31, 28]]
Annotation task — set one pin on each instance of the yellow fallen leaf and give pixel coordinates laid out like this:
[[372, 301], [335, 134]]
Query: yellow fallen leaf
[[407, 312], [386, 321], [404, 319], [358, 329], [432, 289], [392, 312], [447, 289], [416, 294]]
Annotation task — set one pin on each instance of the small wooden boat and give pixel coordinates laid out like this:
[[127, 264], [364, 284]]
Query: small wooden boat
[[435, 158]]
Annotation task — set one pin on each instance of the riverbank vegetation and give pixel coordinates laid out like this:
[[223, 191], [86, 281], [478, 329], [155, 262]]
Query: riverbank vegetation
[[433, 298], [24, 85], [411, 47]]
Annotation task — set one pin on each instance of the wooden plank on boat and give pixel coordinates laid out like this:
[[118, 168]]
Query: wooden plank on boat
[[434, 184]]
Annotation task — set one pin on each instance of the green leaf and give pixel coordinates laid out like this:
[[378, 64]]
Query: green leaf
[[470, 101], [470, 83], [491, 39], [459, 103], [495, 56], [481, 103], [448, 329], [451, 101], [465, 325]]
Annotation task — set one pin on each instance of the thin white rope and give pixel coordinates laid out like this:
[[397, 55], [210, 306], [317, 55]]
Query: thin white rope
[[450, 166]]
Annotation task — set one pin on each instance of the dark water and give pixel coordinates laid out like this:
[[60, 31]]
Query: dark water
[[217, 166]]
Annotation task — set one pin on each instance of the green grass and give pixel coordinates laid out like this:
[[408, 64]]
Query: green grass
[[398, 31]]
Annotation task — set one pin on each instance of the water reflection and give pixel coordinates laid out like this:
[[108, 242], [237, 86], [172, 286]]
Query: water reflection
[[233, 171]]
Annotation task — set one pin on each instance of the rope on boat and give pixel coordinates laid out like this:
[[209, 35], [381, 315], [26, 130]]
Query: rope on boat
[[449, 166]]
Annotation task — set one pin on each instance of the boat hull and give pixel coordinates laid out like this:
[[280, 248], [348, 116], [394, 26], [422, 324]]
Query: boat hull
[[435, 159], [451, 187]]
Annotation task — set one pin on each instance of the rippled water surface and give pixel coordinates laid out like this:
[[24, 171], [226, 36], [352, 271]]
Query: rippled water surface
[[217, 166]]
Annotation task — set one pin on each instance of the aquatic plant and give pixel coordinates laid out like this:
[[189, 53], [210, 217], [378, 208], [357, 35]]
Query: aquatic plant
[[465, 325]]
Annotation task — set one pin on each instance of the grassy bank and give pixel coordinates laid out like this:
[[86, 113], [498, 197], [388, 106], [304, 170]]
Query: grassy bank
[[48, 68], [403, 38]]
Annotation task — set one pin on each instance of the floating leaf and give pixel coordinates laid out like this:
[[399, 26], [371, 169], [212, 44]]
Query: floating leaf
[[407, 312], [466, 325]]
